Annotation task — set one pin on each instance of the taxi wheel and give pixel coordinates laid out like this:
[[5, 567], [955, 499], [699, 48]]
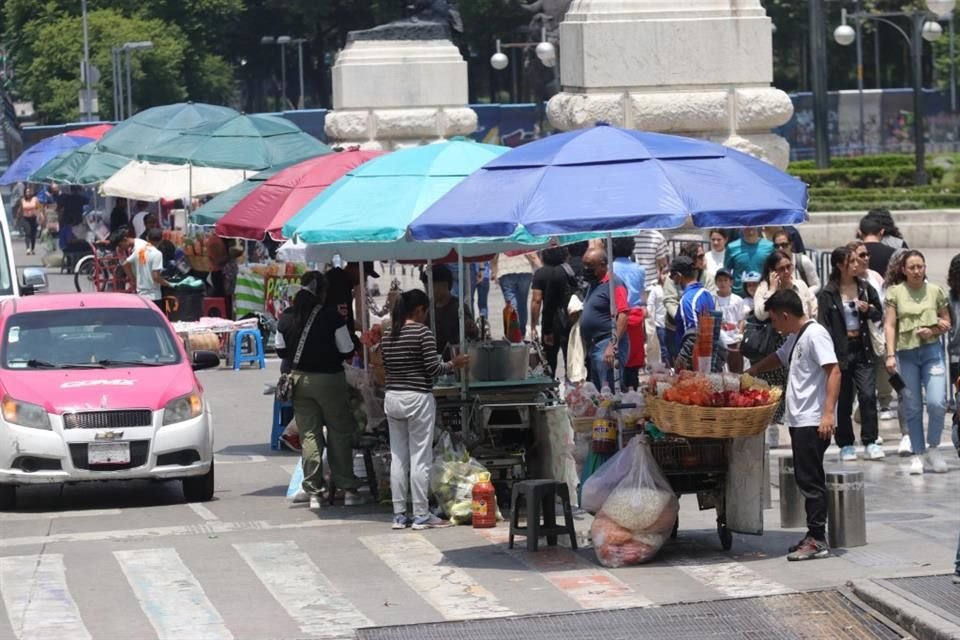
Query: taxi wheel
[[8, 497], [199, 488]]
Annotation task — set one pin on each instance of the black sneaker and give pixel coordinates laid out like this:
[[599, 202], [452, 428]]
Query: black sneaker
[[809, 549], [794, 547], [956, 577]]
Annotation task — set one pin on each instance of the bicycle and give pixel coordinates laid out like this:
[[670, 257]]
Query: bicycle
[[100, 271]]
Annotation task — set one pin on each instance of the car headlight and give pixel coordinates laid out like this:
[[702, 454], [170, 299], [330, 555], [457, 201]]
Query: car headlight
[[25, 414], [183, 408]]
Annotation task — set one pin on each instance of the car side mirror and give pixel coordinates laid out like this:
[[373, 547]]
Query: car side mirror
[[33, 280], [205, 360]]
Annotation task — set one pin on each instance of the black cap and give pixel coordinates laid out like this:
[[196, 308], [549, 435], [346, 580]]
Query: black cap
[[684, 266], [722, 272]]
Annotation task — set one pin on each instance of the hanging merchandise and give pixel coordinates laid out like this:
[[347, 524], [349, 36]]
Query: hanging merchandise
[[511, 324]]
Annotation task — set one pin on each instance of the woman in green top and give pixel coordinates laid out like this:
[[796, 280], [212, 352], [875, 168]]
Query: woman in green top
[[917, 316]]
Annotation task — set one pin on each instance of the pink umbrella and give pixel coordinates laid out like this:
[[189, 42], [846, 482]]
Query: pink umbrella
[[267, 208], [94, 132]]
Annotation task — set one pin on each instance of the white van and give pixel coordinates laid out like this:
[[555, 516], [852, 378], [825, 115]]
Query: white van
[[34, 279]]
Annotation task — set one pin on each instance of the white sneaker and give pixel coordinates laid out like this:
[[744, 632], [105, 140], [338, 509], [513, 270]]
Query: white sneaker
[[905, 449], [873, 452], [315, 503], [300, 497], [936, 461], [916, 466], [887, 414], [879, 440], [848, 454]]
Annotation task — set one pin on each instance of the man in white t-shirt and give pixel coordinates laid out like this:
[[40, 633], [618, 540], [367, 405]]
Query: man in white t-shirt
[[145, 266], [813, 385], [734, 318], [138, 222]]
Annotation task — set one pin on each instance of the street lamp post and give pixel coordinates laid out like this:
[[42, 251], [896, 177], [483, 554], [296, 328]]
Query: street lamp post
[[282, 42], [88, 100], [818, 68], [128, 49], [922, 28], [299, 42]]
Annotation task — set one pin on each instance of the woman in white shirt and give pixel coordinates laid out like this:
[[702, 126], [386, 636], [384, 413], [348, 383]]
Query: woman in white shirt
[[718, 250]]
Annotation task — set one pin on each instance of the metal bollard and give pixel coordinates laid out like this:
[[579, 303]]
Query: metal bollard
[[847, 515], [793, 512], [767, 491]]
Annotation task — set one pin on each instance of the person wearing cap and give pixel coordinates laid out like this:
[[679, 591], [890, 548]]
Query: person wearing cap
[[751, 282], [734, 318], [671, 293], [694, 300], [746, 254], [595, 320]]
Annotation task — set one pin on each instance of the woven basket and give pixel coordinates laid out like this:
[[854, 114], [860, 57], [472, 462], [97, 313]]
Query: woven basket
[[709, 422]]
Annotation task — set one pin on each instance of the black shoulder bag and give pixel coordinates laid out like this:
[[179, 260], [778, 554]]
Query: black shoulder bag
[[285, 384]]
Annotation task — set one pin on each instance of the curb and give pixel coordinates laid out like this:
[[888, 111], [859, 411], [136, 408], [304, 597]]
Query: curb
[[916, 619]]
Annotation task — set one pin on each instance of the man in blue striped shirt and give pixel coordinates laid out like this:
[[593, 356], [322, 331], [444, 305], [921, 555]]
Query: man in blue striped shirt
[[694, 301]]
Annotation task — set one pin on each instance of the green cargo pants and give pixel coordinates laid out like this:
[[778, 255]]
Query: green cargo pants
[[322, 399]]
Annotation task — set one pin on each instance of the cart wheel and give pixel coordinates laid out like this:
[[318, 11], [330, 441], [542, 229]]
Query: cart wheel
[[726, 538], [676, 527]]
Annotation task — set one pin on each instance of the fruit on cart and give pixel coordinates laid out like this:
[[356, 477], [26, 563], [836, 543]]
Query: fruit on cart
[[715, 390]]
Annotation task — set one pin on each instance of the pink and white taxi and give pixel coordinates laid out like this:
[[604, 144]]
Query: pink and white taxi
[[99, 387]]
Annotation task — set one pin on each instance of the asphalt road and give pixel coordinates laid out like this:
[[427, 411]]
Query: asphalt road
[[131, 559]]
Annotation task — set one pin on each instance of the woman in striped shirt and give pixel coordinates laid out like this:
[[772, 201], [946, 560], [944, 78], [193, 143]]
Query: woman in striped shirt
[[411, 362]]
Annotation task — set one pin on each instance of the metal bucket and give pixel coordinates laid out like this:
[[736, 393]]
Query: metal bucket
[[517, 361], [847, 513], [793, 513]]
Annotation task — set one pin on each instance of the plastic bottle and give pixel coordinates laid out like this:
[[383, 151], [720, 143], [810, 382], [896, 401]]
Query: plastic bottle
[[484, 502]]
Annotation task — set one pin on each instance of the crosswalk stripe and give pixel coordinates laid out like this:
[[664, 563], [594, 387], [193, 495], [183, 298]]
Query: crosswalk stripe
[[732, 579], [37, 600], [589, 586], [449, 589], [170, 596], [57, 515], [299, 587]]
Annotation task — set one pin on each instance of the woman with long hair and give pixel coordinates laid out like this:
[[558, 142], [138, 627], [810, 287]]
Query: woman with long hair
[[777, 275], [846, 305], [411, 362], [718, 250], [320, 394], [32, 213], [917, 315]]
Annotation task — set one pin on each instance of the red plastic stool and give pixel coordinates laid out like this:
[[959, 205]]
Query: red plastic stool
[[214, 308]]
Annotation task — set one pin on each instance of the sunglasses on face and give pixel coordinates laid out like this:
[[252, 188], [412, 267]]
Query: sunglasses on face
[[782, 245]]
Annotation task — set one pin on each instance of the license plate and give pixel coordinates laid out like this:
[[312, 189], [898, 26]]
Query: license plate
[[108, 453]]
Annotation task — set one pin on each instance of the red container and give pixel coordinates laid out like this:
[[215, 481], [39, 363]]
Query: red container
[[484, 503]]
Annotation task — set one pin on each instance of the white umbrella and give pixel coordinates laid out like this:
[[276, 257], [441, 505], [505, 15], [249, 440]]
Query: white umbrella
[[148, 181]]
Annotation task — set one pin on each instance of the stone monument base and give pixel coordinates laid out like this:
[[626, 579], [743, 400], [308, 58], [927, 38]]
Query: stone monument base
[[395, 93], [738, 118]]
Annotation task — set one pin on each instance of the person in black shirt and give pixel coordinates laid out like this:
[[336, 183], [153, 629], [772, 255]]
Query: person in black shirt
[[118, 216], [448, 318], [320, 393], [871, 232], [553, 284]]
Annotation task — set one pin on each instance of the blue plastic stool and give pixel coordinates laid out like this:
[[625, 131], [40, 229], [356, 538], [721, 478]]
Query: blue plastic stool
[[239, 356], [278, 425]]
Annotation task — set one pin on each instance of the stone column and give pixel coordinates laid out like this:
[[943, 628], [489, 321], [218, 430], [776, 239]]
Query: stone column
[[393, 93], [700, 68]]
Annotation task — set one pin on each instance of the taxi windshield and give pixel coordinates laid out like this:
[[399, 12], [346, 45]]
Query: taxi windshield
[[88, 338]]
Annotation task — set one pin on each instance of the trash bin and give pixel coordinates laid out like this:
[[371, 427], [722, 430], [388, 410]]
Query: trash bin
[[847, 515], [793, 512]]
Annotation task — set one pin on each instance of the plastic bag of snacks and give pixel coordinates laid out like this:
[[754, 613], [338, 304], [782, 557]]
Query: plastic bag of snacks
[[452, 477], [638, 513], [583, 400]]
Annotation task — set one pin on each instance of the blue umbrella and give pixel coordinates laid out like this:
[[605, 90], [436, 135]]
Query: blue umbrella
[[39, 154], [606, 179]]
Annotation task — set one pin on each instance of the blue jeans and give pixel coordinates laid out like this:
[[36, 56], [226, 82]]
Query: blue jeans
[[482, 290], [664, 349], [600, 373], [516, 291], [923, 371]]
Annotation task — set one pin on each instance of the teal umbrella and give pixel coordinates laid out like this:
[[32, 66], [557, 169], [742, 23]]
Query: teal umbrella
[[84, 165], [375, 202], [216, 207], [241, 142], [145, 130]]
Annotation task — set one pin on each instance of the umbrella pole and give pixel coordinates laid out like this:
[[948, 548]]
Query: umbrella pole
[[433, 308], [363, 314], [613, 316], [460, 314]]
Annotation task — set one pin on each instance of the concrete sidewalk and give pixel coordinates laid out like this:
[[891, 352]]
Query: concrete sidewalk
[[926, 606]]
